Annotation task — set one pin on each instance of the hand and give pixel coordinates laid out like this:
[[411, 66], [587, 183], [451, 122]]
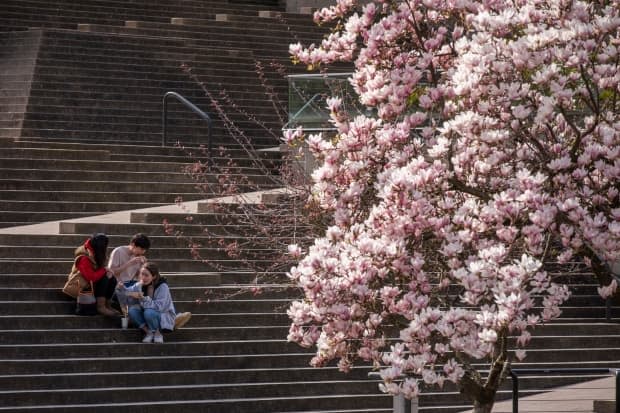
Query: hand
[[141, 259], [136, 294]]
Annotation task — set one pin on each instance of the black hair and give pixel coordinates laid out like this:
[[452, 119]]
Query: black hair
[[141, 240], [99, 244], [157, 278]]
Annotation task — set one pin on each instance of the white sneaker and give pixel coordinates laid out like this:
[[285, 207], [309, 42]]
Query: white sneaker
[[158, 338], [148, 338], [181, 319]]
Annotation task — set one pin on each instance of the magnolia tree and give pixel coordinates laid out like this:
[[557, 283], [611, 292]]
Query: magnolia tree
[[494, 148]]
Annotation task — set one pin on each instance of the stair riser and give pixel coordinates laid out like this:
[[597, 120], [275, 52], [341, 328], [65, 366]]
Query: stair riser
[[264, 333], [129, 395], [55, 280], [167, 266], [28, 8], [135, 138], [89, 196], [155, 254], [135, 335], [148, 229], [198, 291], [138, 349], [102, 186], [34, 207], [333, 403], [42, 174], [198, 320], [156, 152], [66, 307], [183, 378], [44, 240]]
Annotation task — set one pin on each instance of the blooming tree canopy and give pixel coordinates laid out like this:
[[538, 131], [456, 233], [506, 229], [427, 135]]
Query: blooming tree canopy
[[494, 146]]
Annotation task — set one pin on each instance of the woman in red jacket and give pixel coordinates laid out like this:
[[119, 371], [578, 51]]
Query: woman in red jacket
[[90, 261]]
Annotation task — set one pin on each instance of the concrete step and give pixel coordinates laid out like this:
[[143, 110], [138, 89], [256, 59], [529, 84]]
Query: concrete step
[[49, 153], [132, 334], [125, 137], [87, 208], [154, 151], [138, 362], [54, 281], [172, 378], [262, 46], [206, 218], [306, 34], [94, 175], [71, 321], [148, 229], [199, 290], [319, 403], [176, 265], [44, 240], [144, 163], [101, 196], [99, 186], [195, 391], [97, 348], [66, 306], [143, 9]]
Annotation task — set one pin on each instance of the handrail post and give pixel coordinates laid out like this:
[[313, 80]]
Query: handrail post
[[164, 120], [515, 392], [195, 109], [616, 373]]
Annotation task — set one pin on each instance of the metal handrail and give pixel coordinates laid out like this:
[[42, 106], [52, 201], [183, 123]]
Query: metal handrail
[[401, 405], [515, 380], [189, 105]]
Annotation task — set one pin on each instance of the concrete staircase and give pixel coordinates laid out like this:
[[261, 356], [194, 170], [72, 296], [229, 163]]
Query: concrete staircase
[[232, 356], [104, 82], [80, 120], [46, 181]]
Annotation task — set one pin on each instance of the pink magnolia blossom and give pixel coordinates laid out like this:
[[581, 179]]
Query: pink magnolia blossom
[[496, 134]]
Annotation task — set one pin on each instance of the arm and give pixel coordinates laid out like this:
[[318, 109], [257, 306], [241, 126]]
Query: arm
[[88, 271], [129, 296], [161, 301], [116, 267]]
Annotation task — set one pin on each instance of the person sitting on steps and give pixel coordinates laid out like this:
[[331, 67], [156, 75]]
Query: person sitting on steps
[[90, 262], [125, 262], [151, 308]]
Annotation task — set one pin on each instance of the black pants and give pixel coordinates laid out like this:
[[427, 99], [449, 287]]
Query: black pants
[[105, 287]]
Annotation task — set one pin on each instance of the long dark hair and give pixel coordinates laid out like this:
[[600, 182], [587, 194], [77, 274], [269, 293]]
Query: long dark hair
[[157, 279], [154, 270], [99, 244]]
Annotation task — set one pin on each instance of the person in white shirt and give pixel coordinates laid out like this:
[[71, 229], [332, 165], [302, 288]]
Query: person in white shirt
[[125, 261]]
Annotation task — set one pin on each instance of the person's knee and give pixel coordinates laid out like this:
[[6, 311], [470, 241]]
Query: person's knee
[[134, 313], [151, 314]]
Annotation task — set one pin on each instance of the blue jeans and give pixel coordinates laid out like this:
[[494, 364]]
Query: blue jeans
[[149, 317]]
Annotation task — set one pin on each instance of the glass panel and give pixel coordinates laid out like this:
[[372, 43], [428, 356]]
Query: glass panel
[[307, 103]]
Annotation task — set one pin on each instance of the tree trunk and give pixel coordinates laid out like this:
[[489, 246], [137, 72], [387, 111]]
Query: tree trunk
[[483, 391], [482, 407]]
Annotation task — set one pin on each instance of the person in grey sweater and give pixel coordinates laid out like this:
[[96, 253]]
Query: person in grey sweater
[[150, 303]]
